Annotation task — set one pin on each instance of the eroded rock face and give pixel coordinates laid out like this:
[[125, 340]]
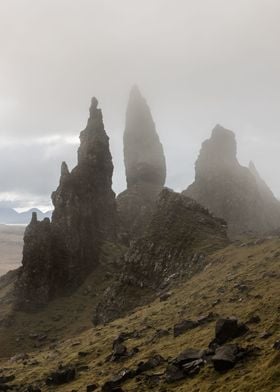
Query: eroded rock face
[[58, 255], [39, 278], [177, 241], [144, 164], [85, 207], [231, 191]]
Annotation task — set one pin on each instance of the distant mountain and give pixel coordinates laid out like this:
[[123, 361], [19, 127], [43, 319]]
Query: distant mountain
[[10, 216]]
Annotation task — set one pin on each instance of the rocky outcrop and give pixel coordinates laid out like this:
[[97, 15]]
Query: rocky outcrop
[[58, 255], [230, 191], [84, 203], [40, 277], [144, 164], [177, 241]]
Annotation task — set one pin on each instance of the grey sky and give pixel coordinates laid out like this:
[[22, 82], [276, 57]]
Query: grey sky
[[198, 63]]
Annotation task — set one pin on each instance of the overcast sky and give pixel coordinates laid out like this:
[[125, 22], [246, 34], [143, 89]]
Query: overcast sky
[[197, 62]]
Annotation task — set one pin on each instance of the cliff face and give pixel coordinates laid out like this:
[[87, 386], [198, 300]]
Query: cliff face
[[144, 164], [58, 255], [85, 207], [176, 243], [231, 191]]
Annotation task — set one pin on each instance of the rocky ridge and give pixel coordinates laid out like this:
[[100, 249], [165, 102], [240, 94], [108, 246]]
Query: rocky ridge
[[230, 191]]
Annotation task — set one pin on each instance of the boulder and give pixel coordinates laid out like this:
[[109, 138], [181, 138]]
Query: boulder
[[183, 326], [92, 387], [61, 376], [150, 364], [276, 345], [114, 385], [225, 357], [188, 355], [228, 329]]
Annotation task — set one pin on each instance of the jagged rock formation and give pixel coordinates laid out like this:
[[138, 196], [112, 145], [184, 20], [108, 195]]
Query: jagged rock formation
[[40, 277], [178, 239], [58, 255], [231, 191], [85, 207], [144, 164]]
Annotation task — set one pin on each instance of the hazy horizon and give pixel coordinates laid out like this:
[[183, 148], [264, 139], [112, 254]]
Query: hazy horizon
[[197, 63]]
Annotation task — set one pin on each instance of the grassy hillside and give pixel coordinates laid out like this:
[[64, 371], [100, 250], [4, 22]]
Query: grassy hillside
[[68, 330]]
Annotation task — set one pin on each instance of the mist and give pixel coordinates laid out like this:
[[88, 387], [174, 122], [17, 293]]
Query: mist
[[198, 63]]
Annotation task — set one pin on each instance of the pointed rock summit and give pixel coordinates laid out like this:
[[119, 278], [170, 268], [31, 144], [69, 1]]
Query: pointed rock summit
[[231, 191], [143, 152], [145, 166], [64, 251]]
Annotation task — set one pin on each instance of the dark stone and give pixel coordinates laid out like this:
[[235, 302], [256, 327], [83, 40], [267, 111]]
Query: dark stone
[[61, 376], [265, 335], [255, 319], [228, 329], [193, 368], [276, 345], [32, 388], [115, 383], [173, 374], [92, 387], [120, 349], [187, 356], [225, 358], [83, 353], [5, 387], [150, 364], [207, 318], [160, 333], [5, 379], [165, 296], [183, 326]]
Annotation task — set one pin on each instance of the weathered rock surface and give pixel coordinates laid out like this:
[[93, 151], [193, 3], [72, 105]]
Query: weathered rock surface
[[58, 255], [227, 329], [231, 191], [85, 207], [61, 376], [144, 164], [178, 239]]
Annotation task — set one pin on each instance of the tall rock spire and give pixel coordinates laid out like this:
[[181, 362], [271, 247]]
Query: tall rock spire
[[143, 152], [231, 191], [144, 165], [67, 249]]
